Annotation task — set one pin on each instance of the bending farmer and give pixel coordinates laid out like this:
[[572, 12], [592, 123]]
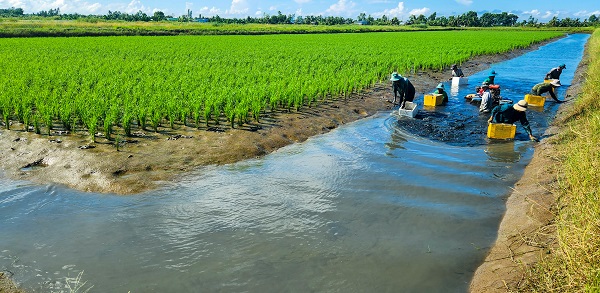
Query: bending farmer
[[543, 87], [456, 72], [403, 89], [508, 113], [555, 72]]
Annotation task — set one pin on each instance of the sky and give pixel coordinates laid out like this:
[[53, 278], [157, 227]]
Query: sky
[[543, 10]]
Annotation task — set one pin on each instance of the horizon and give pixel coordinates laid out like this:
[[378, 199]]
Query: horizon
[[539, 10]]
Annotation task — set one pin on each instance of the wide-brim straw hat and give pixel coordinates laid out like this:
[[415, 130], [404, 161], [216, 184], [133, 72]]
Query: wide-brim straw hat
[[555, 82], [521, 106], [395, 76]]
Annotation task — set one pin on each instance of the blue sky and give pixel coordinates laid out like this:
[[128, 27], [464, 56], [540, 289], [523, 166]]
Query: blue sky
[[542, 10]]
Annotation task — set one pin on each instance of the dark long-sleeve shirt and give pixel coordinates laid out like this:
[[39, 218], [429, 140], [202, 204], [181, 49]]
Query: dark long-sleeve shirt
[[399, 88], [457, 73], [505, 113], [554, 73]]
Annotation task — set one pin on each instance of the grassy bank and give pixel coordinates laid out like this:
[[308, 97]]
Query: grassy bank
[[573, 264]]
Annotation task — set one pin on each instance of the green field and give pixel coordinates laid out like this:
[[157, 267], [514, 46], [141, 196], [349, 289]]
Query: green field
[[91, 83]]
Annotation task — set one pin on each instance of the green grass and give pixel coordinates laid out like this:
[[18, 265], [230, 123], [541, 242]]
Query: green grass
[[574, 262]]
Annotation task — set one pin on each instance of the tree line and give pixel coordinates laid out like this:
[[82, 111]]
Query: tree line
[[467, 19]]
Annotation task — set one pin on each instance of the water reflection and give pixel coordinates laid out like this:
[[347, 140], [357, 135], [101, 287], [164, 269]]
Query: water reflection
[[503, 152]]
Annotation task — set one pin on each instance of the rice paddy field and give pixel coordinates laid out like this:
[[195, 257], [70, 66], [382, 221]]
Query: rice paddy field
[[116, 84]]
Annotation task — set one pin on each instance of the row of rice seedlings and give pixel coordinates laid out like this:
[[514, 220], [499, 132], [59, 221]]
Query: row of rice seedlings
[[100, 83]]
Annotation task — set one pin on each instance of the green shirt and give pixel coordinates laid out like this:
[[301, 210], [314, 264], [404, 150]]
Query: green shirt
[[445, 100], [544, 87]]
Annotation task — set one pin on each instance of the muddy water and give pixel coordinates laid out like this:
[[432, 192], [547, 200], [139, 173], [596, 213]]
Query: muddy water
[[375, 206]]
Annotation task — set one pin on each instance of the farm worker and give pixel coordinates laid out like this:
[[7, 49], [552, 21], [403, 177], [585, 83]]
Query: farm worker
[[456, 72], [491, 77], [439, 90], [509, 113], [486, 99], [555, 72], [403, 89], [543, 87]]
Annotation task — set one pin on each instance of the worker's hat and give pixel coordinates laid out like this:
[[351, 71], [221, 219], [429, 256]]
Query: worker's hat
[[521, 106], [562, 66], [440, 86], [395, 76], [555, 82], [493, 73]]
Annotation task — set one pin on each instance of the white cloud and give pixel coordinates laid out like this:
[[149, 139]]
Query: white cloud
[[65, 6], [464, 2], [302, 1], [549, 14], [135, 6], [238, 7], [342, 7], [397, 11], [586, 14], [205, 11], [419, 11], [272, 8], [534, 12], [299, 12]]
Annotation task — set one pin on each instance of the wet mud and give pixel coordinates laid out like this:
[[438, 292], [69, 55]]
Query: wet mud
[[453, 128]]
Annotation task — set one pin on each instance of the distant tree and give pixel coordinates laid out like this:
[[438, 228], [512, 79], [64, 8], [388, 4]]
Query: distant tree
[[159, 16], [362, 17], [554, 22], [11, 12], [49, 13]]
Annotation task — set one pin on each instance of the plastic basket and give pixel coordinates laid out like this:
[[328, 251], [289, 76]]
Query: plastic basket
[[410, 110], [433, 100], [537, 101], [501, 131], [459, 81]]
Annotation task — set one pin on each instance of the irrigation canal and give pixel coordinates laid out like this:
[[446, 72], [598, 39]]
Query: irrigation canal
[[374, 206]]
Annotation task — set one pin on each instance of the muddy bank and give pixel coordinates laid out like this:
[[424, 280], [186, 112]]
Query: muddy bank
[[148, 158], [526, 230]]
